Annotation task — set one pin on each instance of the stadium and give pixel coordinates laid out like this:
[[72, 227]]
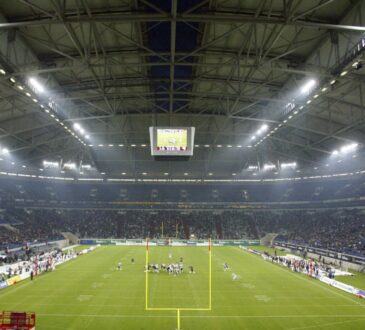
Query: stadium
[[182, 164]]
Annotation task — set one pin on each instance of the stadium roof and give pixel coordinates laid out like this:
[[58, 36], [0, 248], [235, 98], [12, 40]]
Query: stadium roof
[[225, 67]]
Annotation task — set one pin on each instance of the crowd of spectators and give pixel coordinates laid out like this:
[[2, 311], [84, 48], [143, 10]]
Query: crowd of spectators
[[338, 230], [31, 191]]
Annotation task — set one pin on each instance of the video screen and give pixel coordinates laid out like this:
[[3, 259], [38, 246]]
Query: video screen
[[171, 139]]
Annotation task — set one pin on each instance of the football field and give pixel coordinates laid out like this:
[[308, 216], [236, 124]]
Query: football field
[[90, 293]]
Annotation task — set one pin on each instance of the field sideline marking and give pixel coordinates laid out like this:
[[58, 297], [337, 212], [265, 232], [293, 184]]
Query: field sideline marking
[[178, 309], [359, 317]]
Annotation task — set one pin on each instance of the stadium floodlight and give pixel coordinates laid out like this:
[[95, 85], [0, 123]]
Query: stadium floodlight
[[76, 126], [324, 89], [333, 82], [111, 145], [253, 138], [36, 85], [124, 173], [87, 136], [349, 148], [144, 173], [166, 173], [69, 166], [48, 164], [186, 173], [210, 174], [252, 168], [82, 131], [268, 167], [5, 151], [343, 73], [285, 166], [264, 127], [335, 152], [308, 86], [2, 71], [219, 146]]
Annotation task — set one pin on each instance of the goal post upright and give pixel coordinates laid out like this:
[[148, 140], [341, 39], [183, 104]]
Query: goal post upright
[[146, 272], [210, 273]]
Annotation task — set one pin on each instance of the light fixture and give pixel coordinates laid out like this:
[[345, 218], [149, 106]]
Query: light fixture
[[166, 173], [2, 71], [333, 82], [343, 73], [5, 151], [357, 65], [69, 166], [76, 126], [285, 166], [335, 152], [48, 164], [324, 89], [37, 86], [308, 86], [349, 148], [268, 167]]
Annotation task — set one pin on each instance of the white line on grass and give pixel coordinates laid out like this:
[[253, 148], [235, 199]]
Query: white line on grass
[[326, 324], [201, 316]]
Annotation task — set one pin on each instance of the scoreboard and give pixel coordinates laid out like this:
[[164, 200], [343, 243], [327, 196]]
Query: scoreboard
[[172, 141]]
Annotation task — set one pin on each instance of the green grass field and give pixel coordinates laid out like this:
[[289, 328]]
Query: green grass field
[[89, 293], [172, 138]]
